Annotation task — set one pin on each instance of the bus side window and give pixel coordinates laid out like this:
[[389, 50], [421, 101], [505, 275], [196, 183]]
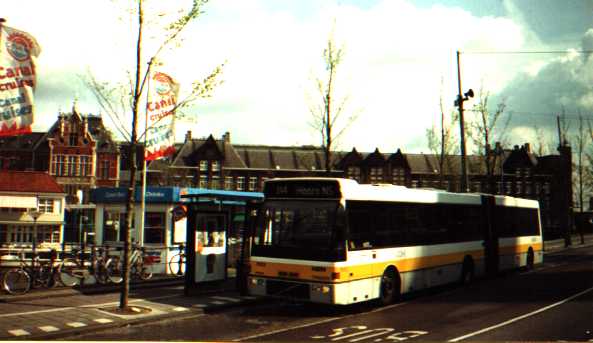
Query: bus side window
[[360, 234]]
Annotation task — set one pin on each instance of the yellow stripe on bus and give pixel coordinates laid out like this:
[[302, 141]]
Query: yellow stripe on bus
[[373, 269]]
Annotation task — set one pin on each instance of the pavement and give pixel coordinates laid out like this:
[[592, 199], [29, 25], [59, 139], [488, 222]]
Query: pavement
[[65, 312]]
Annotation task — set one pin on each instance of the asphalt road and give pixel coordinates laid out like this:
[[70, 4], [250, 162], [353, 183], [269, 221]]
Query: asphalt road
[[554, 302]]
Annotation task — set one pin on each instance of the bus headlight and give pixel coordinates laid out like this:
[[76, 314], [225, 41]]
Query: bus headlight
[[321, 288], [256, 281]]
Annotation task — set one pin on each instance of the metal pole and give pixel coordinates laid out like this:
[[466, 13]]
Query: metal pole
[[460, 99]]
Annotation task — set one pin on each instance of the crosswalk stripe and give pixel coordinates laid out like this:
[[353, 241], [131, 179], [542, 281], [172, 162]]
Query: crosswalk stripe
[[248, 297], [199, 305], [180, 309], [76, 324], [19, 332], [235, 300], [103, 320], [48, 328], [216, 302]]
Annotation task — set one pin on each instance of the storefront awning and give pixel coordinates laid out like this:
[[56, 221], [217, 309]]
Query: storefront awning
[[13, 201]]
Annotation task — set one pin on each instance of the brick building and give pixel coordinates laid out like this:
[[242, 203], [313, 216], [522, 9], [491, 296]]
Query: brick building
[[219, 164]]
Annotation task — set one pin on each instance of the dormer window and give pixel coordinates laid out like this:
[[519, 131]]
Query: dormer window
[[73, 139], [203, 165]]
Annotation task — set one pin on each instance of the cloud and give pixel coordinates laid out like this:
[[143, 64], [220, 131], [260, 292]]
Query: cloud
[[396, 55]]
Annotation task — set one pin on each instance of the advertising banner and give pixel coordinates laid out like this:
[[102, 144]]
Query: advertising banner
[[18, 51], [160, 118]]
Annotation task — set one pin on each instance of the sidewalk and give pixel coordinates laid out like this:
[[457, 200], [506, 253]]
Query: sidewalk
[[47, 320], [559, 244]]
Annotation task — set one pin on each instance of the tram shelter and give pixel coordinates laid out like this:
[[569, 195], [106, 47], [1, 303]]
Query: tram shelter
[[215, 220]]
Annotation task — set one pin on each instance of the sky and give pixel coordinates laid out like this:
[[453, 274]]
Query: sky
[[399, 61]]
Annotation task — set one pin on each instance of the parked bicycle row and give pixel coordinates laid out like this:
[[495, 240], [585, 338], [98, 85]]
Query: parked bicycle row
[[102, 266]]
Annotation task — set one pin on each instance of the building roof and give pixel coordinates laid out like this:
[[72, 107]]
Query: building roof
[[24, 142], [28, 182]]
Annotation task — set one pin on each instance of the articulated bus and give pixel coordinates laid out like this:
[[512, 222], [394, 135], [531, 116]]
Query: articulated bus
[[335, 241]]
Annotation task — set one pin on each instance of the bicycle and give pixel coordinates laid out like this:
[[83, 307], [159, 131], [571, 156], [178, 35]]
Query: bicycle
[[139, 266], [177, 262], [74, 270], [20, 280]]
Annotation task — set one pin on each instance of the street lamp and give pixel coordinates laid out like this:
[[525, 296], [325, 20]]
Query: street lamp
[[35, 214], [459, 102]]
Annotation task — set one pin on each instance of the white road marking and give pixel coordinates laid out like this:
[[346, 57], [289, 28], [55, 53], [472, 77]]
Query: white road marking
[[48, 328], [323, 321], [216, 302], [103, 320], [180, 309], [84, 306], [19, 332], [235, 300], [510, 321], [76, 324]]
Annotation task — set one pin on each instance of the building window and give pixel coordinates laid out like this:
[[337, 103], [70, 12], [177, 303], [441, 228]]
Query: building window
[[204, 165], [519, 186], [215, 166], [24, 234], [70, 165], [228, 183], [354, 173], [215, 184], [154, 227], [46, 205], [240, 183], [58, 165], [414, 183], [85, 165], [113, 223], [252, 184], [507, 187], [398, 176], [73, 139], [203, 181], [105, 165], [376, 174]]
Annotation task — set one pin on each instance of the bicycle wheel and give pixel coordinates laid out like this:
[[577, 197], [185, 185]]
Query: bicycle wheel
[[140, 271], [114, 270], [46, 276], [16, 281], [69, 272], [101, 274], [177, 265]]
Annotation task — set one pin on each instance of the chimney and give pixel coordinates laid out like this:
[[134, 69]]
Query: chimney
[[527, 148], [226, 137], [188, 136]]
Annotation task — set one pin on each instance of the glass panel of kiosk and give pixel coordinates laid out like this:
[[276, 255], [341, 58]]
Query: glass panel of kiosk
[[210, 247]]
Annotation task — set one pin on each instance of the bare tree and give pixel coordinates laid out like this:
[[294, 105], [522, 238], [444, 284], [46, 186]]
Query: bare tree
[[327, 114], [543, 145], [442, 142], [117, 99], [581, 139], [487, 128]]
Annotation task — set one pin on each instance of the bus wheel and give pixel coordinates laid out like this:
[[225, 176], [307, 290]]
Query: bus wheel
[[530, 259], [389, 287], [467, 271]]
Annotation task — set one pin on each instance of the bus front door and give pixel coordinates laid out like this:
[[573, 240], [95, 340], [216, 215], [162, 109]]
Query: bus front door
[[490, 234], [210, 247]]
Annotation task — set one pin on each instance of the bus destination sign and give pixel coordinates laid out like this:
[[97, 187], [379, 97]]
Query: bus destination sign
[[302, 189]]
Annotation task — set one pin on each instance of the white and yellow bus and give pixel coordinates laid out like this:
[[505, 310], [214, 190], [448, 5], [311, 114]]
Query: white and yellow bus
[[335, 241]]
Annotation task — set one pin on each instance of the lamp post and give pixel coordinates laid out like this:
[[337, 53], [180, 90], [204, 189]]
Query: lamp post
[[459, 102], [35, 214]]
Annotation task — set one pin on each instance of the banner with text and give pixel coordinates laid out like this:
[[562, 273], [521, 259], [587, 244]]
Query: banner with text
[[160, 118], [18, 51]]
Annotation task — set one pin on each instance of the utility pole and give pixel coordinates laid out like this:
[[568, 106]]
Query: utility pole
[[459, 102]]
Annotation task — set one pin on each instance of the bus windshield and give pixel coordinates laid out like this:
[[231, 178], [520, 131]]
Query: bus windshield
[[311, 230]]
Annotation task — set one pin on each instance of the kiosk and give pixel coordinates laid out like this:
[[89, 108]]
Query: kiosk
[[209, 218]]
